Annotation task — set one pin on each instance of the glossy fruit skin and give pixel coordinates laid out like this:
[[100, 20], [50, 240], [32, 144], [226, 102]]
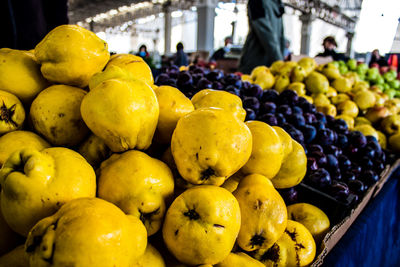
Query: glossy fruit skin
[[94, 150], [173, 105], [267, 152], [263, 213], [71, 55], [239, 259], [139, 185], [209, 145], [20, 74], [286, 251], [49, 179], [12, 112], [293, 169], [123, 113], [18, 140], [202, 224], [56, 115], [313, 218], [219, 99], [86, 232]]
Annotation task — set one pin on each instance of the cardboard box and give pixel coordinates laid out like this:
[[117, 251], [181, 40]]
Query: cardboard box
[[338, 231]]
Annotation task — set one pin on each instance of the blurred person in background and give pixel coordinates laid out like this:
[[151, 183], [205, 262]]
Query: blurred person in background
[[330, 45], [265, 42], [146, 56], [181, 59], [25, 23], [220, 53], [377, 58], [287, 54]]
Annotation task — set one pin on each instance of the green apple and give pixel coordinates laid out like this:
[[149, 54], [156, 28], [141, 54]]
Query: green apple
[[390, 93], [388, 76], [352, 64], [362, 68], [343, 69], [394, 84]]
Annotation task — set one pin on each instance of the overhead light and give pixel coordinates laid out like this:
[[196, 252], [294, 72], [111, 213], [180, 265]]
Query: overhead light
[[176, 14]]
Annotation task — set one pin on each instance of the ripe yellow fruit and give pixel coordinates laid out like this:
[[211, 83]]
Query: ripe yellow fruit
[[209, 145], [201, 225], [20, 74], [150, 258], [293, 168], [262, 76], [86, 232], [267, 152], [296, 247], [173, 105], [36, 184], [314, 219], [94, 150], [134, 64], [263, 213], [219, 99], [70, 54], [18, 140], [286, 141], [12, 113], [56, 115], [122, 113], [139, 185], [239, 259]]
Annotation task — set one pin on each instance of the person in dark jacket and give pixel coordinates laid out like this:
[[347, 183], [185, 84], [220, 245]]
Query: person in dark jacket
[[265, 42], [181, 59], [376, 58], [25, 23], [220, 53], [330, 45]]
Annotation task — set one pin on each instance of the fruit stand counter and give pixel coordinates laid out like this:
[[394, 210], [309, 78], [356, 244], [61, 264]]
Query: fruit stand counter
[[373, 238]]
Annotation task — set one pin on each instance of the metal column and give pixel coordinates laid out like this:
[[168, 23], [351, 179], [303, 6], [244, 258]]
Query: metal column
[[167, 29], [306, 27], [205, 25], [349, 48]]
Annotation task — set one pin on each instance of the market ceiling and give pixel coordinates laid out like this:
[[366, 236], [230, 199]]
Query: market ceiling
[[111, 13]]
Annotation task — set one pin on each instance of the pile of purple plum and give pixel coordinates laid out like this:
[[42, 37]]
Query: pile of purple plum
[[340, 161]]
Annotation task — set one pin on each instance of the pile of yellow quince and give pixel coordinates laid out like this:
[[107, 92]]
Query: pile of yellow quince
[[365, 108], [100, 167]]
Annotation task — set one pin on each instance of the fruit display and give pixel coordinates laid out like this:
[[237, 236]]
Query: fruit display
[[103, 165]]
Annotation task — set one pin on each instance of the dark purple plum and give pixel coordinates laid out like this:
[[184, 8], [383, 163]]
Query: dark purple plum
[[297, 135], [319, 125], [325, 137], [214, 75], [340, 126], [251, 102], [289, 195], [162, 79], [310, 118], [307, 107], [288, 127], [269, 119], [321, 158], [297, 120], [250, 114], [281, 119], [369, 177], [334, 150], [357, 139], [234, 91], [339, 191], [329, 119], [285, 110], [297, 110], [217, 86], [348, 176], [315, 148], [336, 174], [379, 166], [357, 187], [320, 178], [344, 163], [203, 83], [268, 107], [332, 162], [288, 97], [184, 79], [320, 117], [309, 133], [254, 90], [270, 96], [342, 141], [312, 164]]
